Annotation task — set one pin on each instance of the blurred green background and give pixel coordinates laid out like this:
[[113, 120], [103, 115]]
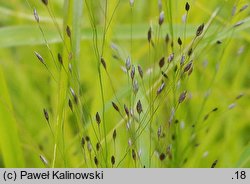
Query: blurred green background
[[221, 74]]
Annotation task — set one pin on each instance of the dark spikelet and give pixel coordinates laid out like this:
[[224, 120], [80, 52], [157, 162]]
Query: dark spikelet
[[126, 110], [162, 156], [200, 30], [98, 146], [164, 75], [139, 107], [140, 71], [96, 161], [187, 6], [133, 154], [115, 107], [179, 41], [70, 105], [182, 96], [190, 71], [68, 31], [83, 142], [46, 115], [132, 73], [215, 109], [114, 134], [190, 51], [59, 57], [188, 66], [160, 89], [238, 24], [239, 96], [44, 160], [74, 95], [161, 18], [214, 164], [167, 39], [103, 63], [113, 160], [219, 42], [135, 86], [205, 117], [40, 58], [87, 138], [149, 34], [128, 63], [36, 15], [45, 2], [171, 57], [243, 8], [162, 62], [98, 118]]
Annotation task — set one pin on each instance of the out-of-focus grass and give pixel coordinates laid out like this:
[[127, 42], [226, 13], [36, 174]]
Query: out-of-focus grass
[[220, 75]]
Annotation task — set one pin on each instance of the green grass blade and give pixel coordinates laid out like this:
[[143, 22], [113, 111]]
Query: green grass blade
[[9, 142], [244, 160]]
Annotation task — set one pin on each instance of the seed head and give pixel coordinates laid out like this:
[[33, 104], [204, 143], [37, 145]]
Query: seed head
[[96, 161], [162, 156], [132, 73], [46, 115], [115, 107], [215, 109], [162, 62], [187, 6], [36, 15], [45, 2], [70, 105], [171, 57], [161, 18], [164, 75], [133, 154], [135, 87], [200, 30], [126, 110], [139, 107], [113, 160], [103, 63], [74, 95], [160, 89], [114, 134], [243, 8], [98, 146], [68, 31], [98, 118], [179, 41], [188, 66], [40, 58], [140, 71], [182, 60], [214, 164], [59, 57], [149, 34], [128, 63], [44, 160], [190, 51], [167, 39], [182, 96], [83, 142], [87, 138]]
